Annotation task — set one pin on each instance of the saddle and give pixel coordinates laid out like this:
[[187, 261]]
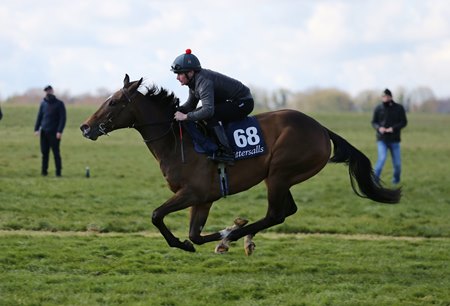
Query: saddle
[[245, 138]]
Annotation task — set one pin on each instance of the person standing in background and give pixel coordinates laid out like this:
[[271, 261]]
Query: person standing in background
[[49, 125], [388, 120]]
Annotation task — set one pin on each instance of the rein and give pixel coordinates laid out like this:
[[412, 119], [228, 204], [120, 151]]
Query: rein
[[156, 124], [137, 126], [108, 123]]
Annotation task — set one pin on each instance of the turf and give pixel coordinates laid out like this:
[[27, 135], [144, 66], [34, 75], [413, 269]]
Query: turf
[[55, 250]]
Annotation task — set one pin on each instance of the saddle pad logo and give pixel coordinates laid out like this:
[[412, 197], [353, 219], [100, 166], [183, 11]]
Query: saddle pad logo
[[246, 138]]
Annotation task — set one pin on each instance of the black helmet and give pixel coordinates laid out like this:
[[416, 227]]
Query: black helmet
[[186, 62]]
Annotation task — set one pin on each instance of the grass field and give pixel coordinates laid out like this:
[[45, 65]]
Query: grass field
[[368, 253]]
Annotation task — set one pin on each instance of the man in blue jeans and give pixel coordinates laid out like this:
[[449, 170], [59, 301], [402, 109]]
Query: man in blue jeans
[[388, 120]]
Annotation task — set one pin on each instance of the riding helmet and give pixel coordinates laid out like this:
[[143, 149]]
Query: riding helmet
[[186, 62]]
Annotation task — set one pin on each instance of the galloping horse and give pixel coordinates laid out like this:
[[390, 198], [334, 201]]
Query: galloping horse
[[298, 147]]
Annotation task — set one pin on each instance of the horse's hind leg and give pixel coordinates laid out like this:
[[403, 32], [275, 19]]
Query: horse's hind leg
[[223, 246], [249, 245], [291, 207], [199, 215], [280, 206]]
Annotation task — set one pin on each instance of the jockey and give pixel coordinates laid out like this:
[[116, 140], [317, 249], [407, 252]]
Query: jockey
[[223, 100]]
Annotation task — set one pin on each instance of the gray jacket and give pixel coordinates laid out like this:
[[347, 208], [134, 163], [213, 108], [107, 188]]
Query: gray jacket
[[211, 87]]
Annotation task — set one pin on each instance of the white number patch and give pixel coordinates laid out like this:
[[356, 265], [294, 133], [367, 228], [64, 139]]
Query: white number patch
[[249, 136]]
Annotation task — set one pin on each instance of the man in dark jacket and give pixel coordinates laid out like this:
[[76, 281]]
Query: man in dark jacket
[[224, 99], [388, 120], [49, 125]]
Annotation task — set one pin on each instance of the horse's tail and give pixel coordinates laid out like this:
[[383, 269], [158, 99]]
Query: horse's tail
[[360, 169]]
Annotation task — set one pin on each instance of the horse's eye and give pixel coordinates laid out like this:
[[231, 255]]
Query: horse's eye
[[112, 102]]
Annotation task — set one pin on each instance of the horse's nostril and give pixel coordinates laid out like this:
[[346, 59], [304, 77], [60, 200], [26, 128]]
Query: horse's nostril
[[85, 128]]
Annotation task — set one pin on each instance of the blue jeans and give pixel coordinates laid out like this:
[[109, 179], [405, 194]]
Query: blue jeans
[[394, 147]]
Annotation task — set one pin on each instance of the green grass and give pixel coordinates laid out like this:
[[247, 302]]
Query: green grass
[[136, 270], [126, 184], [129, 269]]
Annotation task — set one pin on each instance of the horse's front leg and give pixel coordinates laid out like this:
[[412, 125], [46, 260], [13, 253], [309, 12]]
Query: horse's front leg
[[199, 215], [179, 201]]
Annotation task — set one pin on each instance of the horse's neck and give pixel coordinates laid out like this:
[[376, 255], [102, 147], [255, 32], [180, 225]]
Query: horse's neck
[[160, 139]]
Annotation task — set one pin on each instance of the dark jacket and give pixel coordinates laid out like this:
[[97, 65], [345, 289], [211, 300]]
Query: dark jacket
[[1, 114], [389, 114], [51, 116], [211, 87]]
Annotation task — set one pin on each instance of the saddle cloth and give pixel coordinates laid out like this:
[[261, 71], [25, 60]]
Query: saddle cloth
[[245, 137]]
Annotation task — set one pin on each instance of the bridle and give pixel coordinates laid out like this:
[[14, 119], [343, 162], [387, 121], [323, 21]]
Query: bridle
[[103, 126]]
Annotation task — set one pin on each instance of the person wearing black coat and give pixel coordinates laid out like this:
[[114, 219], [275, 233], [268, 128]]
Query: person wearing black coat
[[388, 120], [50, 124]]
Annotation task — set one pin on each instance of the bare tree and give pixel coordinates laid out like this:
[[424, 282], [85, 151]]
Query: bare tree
[[418, 96]]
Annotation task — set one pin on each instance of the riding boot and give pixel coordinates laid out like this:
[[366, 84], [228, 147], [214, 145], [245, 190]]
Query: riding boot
[[224, 154]]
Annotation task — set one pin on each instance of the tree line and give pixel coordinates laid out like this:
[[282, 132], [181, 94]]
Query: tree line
[[419, 99]]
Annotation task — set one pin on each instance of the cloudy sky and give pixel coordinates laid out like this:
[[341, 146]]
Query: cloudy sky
[[80, 46]]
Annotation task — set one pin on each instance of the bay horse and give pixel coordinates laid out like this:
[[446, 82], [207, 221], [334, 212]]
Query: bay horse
[[298, 147]]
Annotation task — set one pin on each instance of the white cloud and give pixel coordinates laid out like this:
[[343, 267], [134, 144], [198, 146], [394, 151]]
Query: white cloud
[[352, 45]]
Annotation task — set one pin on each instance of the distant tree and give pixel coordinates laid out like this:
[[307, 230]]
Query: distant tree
[[33, 95], [430, 106], [419, 96], [318, 100], [366, 100], [279, 99], [103, 92], [261, 98], [444, 105], [400, 95]]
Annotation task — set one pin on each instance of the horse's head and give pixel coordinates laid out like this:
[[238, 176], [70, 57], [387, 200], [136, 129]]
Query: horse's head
[[115, 113]]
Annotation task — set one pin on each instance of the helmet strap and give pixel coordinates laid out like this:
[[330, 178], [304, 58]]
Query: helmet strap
[[187, 76]]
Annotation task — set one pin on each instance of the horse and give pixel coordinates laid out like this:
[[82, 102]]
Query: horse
[[298, 147]]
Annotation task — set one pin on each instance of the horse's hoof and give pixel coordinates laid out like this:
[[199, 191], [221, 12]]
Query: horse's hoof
[[221, 248], [240, 222], [188, 246], [249, 248]]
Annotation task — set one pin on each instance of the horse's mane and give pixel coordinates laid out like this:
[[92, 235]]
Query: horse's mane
[[162, 96]]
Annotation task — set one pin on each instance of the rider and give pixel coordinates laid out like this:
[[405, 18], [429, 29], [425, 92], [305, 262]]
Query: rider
[[223, 99]]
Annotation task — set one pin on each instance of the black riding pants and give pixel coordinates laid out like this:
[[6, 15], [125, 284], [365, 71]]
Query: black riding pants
[[229, 111], [49, 140]]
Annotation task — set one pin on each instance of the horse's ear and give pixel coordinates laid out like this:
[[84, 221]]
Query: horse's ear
[[126, 80], [135, 86]]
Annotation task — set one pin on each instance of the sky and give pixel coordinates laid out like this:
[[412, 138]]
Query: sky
[[353, 45]]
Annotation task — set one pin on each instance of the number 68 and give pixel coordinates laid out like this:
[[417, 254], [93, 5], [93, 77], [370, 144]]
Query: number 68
[[249, 136]]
